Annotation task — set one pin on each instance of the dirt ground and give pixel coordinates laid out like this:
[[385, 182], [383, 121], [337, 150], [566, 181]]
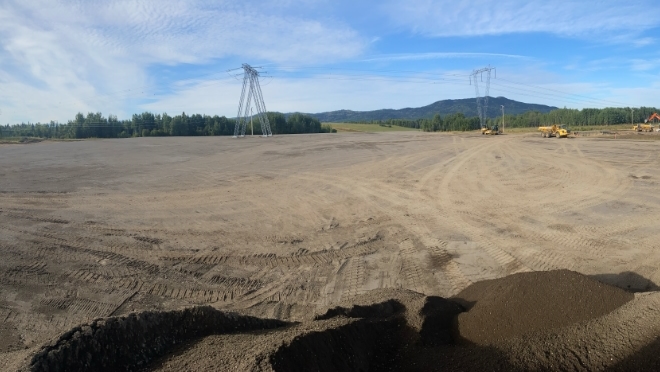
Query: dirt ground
[[288, 226]]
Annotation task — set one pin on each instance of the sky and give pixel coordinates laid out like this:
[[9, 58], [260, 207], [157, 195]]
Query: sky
[[121, 57]]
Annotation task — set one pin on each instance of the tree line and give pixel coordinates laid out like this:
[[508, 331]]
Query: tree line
[[147, 124], [570, 117]]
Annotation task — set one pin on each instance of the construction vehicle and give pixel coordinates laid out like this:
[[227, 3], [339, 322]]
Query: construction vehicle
[[646, 127], [492, 131], [643, 128], [555, 130]]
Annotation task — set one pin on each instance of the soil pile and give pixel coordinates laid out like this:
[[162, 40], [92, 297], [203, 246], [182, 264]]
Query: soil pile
[[341, 344], [124, 343], [557, 320], [533, 302]]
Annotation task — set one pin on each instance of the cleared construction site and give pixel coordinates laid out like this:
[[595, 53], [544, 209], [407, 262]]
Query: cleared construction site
[[404, 251]]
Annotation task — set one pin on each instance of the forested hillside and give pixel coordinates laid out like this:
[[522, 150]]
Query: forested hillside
[[467, 106]]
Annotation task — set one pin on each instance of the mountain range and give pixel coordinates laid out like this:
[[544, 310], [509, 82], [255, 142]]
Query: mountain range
[[467, 106]]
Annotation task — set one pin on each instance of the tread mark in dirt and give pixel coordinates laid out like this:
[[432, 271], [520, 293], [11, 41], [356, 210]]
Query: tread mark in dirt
[[199, 295], [195, 270], [509, 263], [37, 219], [115, 257], [145, 239], [443, 261], [362, 248], [353, 278], [239, 284], [7, 315], [410, 270]]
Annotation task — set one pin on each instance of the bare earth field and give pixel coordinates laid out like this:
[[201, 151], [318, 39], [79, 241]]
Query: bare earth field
[[290, 226]]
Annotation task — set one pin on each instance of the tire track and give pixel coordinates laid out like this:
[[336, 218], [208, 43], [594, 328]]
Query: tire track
[[411, 273], [271, 260], [385, 200], [444, 202]]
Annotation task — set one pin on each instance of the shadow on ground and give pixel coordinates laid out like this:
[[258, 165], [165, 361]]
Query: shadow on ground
[[628, 281]]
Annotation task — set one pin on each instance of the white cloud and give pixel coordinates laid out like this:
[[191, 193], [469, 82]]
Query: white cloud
[[323, 92], [58, 57], [316, 93], [64, 56], [644, 64], [643, 42], [425, 56], [563, 17]]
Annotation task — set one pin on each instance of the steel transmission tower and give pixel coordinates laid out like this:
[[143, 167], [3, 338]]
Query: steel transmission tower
[[251, 84], [482, 102]]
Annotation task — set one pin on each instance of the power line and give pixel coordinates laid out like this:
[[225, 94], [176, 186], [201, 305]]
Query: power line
[[251, 83], [482, 102], [559, 91]]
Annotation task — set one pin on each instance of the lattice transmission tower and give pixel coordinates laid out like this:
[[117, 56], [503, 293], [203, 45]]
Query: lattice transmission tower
[[482, 102], [251, 85]]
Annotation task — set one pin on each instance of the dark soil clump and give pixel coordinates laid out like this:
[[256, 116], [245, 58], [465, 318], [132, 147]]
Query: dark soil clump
[[532, 302]]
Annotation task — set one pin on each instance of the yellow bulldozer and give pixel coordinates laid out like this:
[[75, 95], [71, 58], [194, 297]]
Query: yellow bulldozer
[[555, 130]]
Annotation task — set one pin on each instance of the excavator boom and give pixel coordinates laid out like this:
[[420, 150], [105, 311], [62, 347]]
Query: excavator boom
[[654, 116]]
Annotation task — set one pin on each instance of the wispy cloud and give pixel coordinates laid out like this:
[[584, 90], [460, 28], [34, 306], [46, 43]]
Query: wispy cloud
[[562, 17], [319, 93], [78, 51], [616, 63], [426, 56], [316, 93], [644, 64], [643, 42], [58, 57]]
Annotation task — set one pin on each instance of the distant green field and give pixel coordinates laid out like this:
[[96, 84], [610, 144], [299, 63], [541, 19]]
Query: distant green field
[[5, 140], [352, 127]]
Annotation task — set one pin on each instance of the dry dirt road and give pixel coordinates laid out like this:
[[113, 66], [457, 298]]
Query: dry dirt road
[[282, 227]]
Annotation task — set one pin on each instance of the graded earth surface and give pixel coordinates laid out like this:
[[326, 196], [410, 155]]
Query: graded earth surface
[[289, 227]]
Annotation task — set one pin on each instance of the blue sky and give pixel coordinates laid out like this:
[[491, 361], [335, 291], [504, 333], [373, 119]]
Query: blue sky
[[60, 57]]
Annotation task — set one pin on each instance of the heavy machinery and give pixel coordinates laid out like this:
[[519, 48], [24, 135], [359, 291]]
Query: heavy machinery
[[492, 131], [648, 124], [555, 130]]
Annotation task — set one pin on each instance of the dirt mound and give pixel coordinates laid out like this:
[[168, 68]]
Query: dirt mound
[[369, 332], [366, 336], [532, 302], [338, 344], [124, 343], [547, 321]]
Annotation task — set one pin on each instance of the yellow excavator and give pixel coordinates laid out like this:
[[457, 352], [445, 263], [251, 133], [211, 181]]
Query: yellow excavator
[[648, 124], [555, 130]]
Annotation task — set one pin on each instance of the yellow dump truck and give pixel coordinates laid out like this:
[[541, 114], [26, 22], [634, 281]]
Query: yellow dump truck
[[555, 130], [643, 128]]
